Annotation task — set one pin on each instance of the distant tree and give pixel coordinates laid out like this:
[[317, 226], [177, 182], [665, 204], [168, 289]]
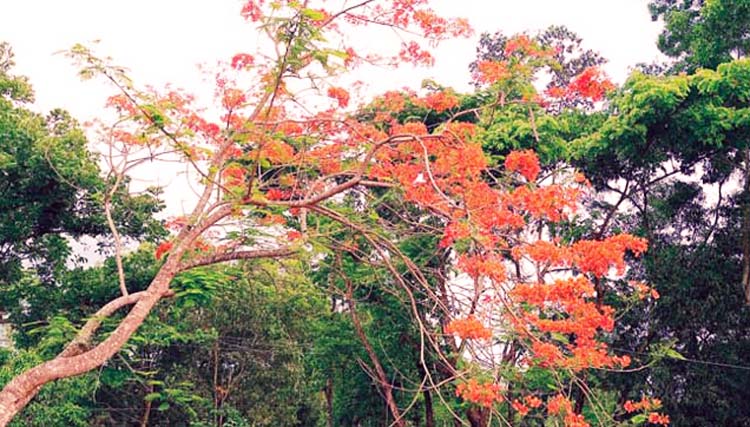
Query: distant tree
[[51, 189], [673, 157], [700, 33], [569, 56]]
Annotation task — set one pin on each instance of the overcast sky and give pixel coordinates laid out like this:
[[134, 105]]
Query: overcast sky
[[163, 41]]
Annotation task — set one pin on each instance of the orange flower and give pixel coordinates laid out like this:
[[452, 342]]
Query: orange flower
[[468, 328], [340, 95], [441, 101], [646, 404], [575, 420], [486, 394], [524, 162], [162, 249], [559, 405], [490, 72], [533, 401], [233, 98], [657, 418], [591, 83], [519, 407]]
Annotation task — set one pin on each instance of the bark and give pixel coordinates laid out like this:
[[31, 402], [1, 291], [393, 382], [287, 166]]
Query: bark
[[147, 408], [429, 415], [76, 359], [237, 255], [328, 390], [82, 341], [382, 378], [746, 252], [746, 241], [477, 417]]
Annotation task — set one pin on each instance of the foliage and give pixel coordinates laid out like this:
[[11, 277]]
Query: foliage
[[464, 276], [703, 33], [51, 186]]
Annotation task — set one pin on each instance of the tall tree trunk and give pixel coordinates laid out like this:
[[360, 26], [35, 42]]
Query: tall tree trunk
[[478, 417], [382, 378], [147, 407], [328, 391], [429, 414], [745, 235]]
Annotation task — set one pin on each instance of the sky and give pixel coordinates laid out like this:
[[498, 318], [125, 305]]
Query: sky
[[165, 41]]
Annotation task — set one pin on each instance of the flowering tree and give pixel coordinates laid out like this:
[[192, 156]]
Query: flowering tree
[[285, 156]]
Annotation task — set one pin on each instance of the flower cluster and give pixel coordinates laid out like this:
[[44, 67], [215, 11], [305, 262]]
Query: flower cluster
[[490, 72], [482, 394], [524, 162], [590, 84], [468, 328], [341, 95], [648, 405], [529, 403], [440, 101]]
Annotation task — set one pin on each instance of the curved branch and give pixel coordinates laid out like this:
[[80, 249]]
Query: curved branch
[[237, 255], [82, 341]]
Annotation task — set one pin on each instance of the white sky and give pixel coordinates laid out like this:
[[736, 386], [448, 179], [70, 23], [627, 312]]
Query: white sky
[[163, 41]]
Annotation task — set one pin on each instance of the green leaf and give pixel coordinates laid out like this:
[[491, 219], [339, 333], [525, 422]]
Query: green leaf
[[672, 353], [152, 396], [313, 14]]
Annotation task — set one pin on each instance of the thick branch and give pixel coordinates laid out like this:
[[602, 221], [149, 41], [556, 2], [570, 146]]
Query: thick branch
[[81, 343]]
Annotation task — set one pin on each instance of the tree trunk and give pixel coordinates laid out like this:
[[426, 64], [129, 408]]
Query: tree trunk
[[328, 390], [382, 378], [429, 415], [19, 391], [746, 251], [477, 417], [147, 408], [745, 232]]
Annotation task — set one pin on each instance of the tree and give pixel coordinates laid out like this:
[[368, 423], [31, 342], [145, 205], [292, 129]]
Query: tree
[[50, 192], [50, 184], [703, 33], [570, 59], [671, 143], [277, 170]]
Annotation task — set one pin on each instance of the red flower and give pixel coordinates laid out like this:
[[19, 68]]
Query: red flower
[[274, 194], [524, 162], [482, 394], [519, 407], [162, 249], [411, 52], [293, 235], [340, 95], [657, 418], [441, 101], [242, 60], [252, 10], [468, 328], [591, 83]]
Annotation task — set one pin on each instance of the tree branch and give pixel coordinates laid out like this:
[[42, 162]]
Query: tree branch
[[238, 255]]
